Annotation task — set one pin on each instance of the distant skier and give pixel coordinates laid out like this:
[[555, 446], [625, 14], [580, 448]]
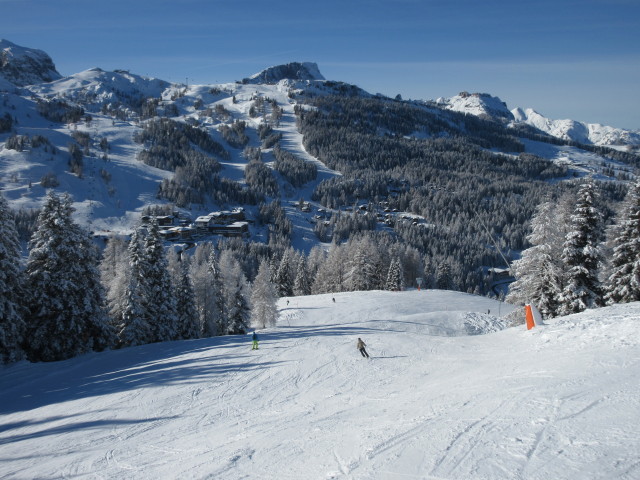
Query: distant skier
[[255, 341], [334, 300], [361, 346]]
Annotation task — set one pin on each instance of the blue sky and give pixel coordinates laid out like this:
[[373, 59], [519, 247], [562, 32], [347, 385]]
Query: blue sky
[[564, 58]]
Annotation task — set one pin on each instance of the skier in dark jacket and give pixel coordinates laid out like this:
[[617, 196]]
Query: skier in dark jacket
[[255, 341], [361, 346]]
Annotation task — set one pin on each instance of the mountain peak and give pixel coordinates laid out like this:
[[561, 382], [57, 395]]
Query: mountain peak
[[573, 130], [479, 104], [289, 71], [25, 66]]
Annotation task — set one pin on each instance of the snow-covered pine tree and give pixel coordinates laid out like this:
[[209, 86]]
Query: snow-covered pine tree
[[12, 326], [360, 269], [317, 256], [331, 275], [550, 288], [160, 300], [215, 295], [395, 277], [264, 311], [114, 273], [623, 284], [443, 276], [188, 322], [236, 306], [581, 255], [66, 301], [538, 272], [302, 283], [284, 277], [206, 287], [131, 319], [131, 324]]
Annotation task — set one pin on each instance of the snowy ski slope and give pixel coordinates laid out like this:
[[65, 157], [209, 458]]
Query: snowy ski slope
[[434, 402]]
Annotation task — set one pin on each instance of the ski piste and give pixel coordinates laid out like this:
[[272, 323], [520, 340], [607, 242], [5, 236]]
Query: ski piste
[[558, 401]]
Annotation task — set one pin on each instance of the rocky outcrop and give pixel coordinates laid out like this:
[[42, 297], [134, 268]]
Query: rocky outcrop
[[23, 66], [289, 71]]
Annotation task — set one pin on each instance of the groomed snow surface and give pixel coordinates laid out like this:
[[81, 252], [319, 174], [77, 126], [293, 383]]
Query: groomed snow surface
[[446, 394]]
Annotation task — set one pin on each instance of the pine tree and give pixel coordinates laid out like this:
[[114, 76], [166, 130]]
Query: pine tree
[[66, 300], [443, 276], [159, 301], [216, 297], [581, 255], [131, 319], [361, 269], [623, 284], [539, 270], [207, 290], [284, 277], [331, 275], [12, 326], [188, 322], [236, 307], [114, 274], [317, 256], [395, 280], [302, 284], [264, 311], [132, 326]]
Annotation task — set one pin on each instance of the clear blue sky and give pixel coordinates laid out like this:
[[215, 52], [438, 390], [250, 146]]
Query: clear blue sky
[[564, 58]]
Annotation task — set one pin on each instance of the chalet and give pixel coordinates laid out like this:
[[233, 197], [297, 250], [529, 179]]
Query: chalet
[[178, 233], [498, 273], [220, 218], [235, 229], [204, 222], [161, 220]]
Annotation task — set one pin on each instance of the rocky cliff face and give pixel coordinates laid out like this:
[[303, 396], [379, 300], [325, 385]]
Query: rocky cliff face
[[290, 71], [25, 66]]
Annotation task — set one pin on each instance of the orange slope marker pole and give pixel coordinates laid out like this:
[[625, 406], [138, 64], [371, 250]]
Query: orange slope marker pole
[[529, 317]]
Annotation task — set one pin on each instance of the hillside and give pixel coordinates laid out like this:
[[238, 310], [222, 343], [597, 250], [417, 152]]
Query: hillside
[[433, 401], [339, 161]]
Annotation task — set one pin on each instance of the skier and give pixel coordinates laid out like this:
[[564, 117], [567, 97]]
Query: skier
[[255, 341], [361, 346]]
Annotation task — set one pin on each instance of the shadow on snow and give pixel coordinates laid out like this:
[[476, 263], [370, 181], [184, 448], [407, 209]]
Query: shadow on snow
[[27, 386]]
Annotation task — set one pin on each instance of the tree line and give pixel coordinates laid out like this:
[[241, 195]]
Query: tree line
[[68, 298], [418, 160], [576, 261]]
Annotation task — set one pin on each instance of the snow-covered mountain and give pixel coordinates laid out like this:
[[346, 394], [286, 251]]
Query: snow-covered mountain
[[434, 401], [289, 71], [487, 106], [108, 110], [587, 133], [25, 66], [95, 87], [479, 104]]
